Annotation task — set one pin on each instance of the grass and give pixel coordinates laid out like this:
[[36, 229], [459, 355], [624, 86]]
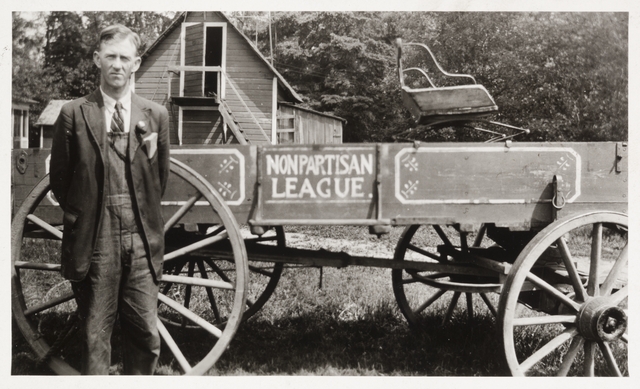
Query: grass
[[338, 322]]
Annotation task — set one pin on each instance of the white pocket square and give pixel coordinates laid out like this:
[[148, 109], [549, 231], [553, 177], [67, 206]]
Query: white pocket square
[[151, 144]]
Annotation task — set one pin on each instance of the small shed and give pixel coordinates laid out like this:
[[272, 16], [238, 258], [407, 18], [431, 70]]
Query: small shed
[[20, 121], [45, 122], [217, 86], [301, 125]]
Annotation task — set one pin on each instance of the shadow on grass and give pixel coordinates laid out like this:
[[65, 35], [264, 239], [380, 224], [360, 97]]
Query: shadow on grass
[[319, 344], [381, 344]]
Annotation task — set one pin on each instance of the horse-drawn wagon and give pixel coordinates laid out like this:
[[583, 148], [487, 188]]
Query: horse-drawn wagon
[[542, 224]]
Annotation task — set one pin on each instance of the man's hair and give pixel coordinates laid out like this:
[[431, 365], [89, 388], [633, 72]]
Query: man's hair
[[118, 31]]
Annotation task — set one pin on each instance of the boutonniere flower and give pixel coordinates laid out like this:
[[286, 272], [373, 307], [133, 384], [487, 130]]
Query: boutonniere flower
[[148, 139], [141, 128]]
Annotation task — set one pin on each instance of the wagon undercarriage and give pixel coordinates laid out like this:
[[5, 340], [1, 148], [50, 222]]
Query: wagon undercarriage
[[541, 228], [567, 277]]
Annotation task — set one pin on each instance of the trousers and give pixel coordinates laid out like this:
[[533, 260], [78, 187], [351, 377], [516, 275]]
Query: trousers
[[119, 284]]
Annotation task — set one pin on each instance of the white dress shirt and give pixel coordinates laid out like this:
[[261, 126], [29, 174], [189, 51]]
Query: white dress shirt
[[110, 108]]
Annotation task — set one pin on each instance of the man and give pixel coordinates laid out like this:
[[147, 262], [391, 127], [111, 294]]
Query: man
[[109, 169]]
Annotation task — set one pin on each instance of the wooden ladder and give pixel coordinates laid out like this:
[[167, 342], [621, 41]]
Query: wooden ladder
[[231, 121]]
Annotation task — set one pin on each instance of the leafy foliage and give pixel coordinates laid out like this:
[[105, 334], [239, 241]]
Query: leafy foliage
[[52, 52], [562, 75]]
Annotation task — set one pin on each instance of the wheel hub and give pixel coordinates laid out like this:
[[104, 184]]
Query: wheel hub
[[599, 320]]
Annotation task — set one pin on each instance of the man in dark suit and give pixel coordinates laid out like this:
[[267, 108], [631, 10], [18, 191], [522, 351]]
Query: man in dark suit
[[109, 169]]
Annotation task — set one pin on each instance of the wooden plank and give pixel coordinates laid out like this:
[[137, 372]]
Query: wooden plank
[[164, 60], [255, 82], [247, 66], [251, 94], [153, 73], [451, 100]]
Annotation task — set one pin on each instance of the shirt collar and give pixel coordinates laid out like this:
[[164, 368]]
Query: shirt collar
[[110, 102]]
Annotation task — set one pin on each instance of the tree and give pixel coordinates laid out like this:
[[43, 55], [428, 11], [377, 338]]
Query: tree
[[52, 52], [28, 77], [341, 62], [563, 75]]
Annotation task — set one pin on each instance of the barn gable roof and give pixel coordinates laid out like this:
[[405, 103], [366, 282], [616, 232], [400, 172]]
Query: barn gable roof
[[50, 113], [179, 19]]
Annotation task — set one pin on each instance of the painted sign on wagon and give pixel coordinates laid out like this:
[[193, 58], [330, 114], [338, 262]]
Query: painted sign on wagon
[[484, 175], [296, 178], [224, 168]]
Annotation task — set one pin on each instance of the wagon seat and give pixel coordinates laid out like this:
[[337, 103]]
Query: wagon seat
[[439, 105]]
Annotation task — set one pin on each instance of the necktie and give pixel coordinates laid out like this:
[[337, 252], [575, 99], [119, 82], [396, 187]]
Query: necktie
[[117, 124]]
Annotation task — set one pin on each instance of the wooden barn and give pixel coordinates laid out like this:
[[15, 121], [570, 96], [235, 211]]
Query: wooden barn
[[219, 88]]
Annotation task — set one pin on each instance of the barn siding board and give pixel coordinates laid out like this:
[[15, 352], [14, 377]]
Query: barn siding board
[[155, 73]]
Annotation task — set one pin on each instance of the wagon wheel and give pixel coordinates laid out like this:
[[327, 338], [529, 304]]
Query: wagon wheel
[[42, 302], [563, 309], [263, 276], [416, 291]]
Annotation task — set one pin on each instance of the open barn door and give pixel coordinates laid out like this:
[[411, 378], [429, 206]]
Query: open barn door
[[193, 84]]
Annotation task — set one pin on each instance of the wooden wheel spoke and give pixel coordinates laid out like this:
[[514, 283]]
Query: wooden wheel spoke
[[488, 304], [480, 236], [187, 289], [593, 285], [216, 231], [207, 283], [175, 350], [581, 293], [611, 360], [469, 297], [423, 252], [612, 277], [49, 304], [186, 207], [451, 307], [410, 280], [548, 348], [195, 246], [37, 266], [553, 291], [541, 320], [38, 219], [619, 296], [570, 356], [56, 233], [430, 301], [463, 241], [187, 294], [176, 270], [442, 235], [210, 296], [218, 271], [213, 330], [589, 359], [560, 273]]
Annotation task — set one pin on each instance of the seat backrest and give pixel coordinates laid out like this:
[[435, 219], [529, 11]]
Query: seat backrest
[[401, 72]]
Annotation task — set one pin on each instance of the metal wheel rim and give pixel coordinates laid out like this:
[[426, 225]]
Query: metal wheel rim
[[523, 264], [444, 287], [41, 347]]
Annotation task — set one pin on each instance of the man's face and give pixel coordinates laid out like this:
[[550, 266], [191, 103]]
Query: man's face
[[117, 59]]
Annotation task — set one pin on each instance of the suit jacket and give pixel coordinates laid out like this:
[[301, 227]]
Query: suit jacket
[[78, 180]]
